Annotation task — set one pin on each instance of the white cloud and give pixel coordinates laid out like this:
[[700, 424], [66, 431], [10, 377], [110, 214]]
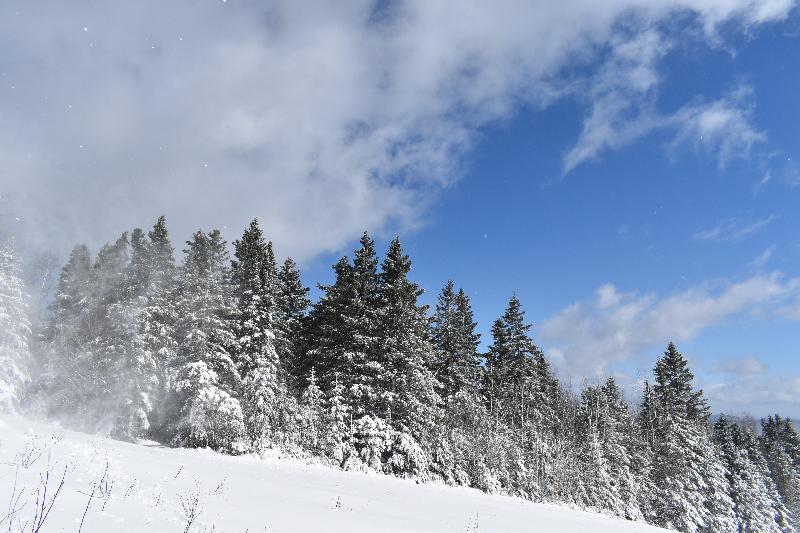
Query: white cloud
[[733, 230], [759, 394], [723, 127], [741, 366], [320, 118], [763, 258], [588, 336], [625, 111]]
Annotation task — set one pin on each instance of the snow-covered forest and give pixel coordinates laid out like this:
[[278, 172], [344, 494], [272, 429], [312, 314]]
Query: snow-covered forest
[[229, 353]]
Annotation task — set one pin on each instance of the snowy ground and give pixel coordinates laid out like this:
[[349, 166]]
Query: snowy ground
[[150, 488]]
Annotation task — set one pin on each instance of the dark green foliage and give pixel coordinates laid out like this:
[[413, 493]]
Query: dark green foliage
[[292, 305], [457, 361]]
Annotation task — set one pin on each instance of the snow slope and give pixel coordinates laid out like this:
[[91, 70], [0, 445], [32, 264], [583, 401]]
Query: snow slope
[[150, 488]]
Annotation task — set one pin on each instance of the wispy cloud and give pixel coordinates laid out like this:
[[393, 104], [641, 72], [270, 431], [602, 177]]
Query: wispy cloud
[[588, 336], [763, 258], [724, 127], [625, 111], [733, 230]]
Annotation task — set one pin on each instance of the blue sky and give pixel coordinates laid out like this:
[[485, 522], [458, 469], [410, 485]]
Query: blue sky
[[649, 218], [626, 167]]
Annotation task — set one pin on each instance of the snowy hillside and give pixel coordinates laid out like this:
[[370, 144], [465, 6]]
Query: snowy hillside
[[137, 488]]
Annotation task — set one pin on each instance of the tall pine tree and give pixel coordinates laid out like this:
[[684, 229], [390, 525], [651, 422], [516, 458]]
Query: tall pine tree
[[692, 493], [207, 412], [15, 330], [457, 361]]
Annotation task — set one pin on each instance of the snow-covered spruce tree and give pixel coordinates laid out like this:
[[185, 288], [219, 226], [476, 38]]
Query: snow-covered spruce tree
[[409, 400], [522, 393], [608, 482], [520, 385], [779, 445], [457, 361], [329, 333], [206, 379], [311, 416], [692, 491], [265, 399], [362, 377], [64, 339], [756, 501], [337, 426], [156, 292], [343, 332], [292, 306], [15, 330], [641, 436], [106, 338], [455, 456], [136, 373]]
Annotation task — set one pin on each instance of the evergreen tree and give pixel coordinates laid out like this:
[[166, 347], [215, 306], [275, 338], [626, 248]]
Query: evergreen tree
[[757, 504], [15, 330], [343, 331], [158, 319], [520, 386], [65, 336], [312, 414], [690, 480], [137, 377], [779, 446], [457, 361], [405, 349], [255, 292], [363, 377], [292, 305], [206, 381], [338, 426], [264, 393], [330, 332], [610, 482]]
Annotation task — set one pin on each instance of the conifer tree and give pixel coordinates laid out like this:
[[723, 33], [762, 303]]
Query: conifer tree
[[610, 483], [15, 330], [343, 331], [405, 349], [338, 425], [264, 393], [688, 475], [778, 444], [366, 372], [207, 379], [107, 339], [757, 504], [312, 415], [292, 305], [457, 361], [255, 294], [520, 386], [137, 380], [158, 318], [65, 335], [330, 332]]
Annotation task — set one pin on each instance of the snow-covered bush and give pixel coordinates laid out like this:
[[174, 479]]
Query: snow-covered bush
[[406, 458], [372, 438], [213, 417]]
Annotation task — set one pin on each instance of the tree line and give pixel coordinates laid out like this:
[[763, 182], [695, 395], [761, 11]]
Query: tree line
[[230, 353]]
